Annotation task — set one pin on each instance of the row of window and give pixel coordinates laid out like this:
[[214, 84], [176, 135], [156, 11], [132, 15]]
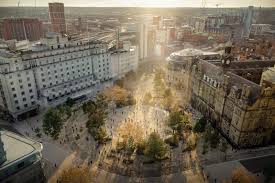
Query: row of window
[[25, 105]]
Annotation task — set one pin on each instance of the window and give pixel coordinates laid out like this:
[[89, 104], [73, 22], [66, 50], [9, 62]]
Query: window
[[13, 89], [29, 84], [16, 101], [25, 105], [24, 99], [14, 95], [22, 93], [30, 90], [28, 79], [31, 97], [18, 108], [33, 102], [11, 83], [20, 80]]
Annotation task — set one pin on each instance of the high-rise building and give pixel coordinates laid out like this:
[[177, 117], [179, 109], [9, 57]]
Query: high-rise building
[[21, 29], [248, 21], [124, 60], [57, 17]]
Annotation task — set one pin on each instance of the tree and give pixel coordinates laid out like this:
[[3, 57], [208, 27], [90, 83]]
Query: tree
[[178, 122], [155, 147], [240, 175], [119, 95], [70, 102], [174, 120], [76, 175], [167, 93], [147, 98], [131, 130], [101, 102], [97, 115], [52, 123], [214, 139], [130, 146], [200, 125]]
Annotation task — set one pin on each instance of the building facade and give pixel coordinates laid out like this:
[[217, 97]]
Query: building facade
[[124, 61], [229, 94], [49, 73], [260, 29], [21, 29], [57, 17]]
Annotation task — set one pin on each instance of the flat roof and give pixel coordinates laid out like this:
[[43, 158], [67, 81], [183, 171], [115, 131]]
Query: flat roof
[[193, 52], [18, 147]]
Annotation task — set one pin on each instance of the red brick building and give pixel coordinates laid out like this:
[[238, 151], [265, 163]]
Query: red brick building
[[21, 29], [57, 17]]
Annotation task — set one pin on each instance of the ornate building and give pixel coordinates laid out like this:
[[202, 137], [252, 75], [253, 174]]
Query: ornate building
[[230, 95]]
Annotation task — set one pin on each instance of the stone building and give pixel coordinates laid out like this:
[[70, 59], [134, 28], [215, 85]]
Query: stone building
[[48, 72], [233, 96]]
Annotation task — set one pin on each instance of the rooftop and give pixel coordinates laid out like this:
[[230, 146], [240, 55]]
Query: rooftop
[[223, 171], [189, 52], [6, 53], [18, 147]]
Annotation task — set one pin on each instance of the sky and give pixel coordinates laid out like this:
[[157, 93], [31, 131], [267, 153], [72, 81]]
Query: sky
[[143, 3]]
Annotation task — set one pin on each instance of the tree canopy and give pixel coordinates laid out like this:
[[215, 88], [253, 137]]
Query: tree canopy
[[96, 117], [119, 95], [52, 123], [240, 175], [200, 125], [177, 122], [155, 147], [76, 175]]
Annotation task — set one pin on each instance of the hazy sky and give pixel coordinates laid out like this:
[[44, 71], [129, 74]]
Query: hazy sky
[[144, 3]]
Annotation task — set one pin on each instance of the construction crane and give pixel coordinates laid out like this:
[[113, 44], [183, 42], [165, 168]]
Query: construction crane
[[218, 6], [17, 9], [203, 5]]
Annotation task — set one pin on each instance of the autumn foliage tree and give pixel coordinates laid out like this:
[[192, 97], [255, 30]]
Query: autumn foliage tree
[[131, 130], [240, 175], [97, 115], [119, 95], [76, 175]]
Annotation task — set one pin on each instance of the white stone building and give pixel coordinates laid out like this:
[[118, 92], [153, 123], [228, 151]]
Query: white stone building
[[259, 29], [51, 71], [124, 61]]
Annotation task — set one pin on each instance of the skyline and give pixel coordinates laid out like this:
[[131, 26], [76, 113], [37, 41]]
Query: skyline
[[141, 3]]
